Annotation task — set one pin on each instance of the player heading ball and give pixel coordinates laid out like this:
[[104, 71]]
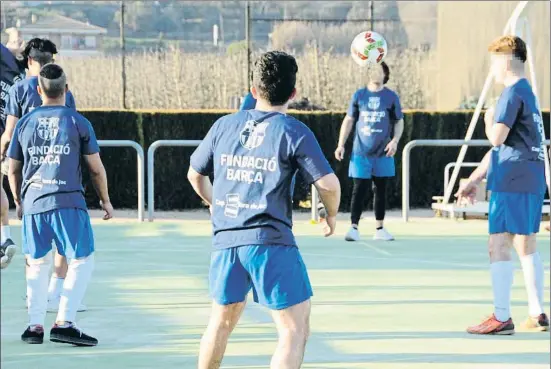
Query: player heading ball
[[254, 155]]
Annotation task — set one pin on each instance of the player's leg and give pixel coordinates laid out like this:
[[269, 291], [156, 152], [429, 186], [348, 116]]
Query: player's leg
[[379, 206], [528, 221], [501, 267], [293, 328], [229, 284], [360, 187], [57, 279], [37, 238], [7, 246], [75, 240], [223, 319], [281, 283], [383, 169]]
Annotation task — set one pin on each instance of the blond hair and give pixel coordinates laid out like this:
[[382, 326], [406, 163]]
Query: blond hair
[[513, 45]]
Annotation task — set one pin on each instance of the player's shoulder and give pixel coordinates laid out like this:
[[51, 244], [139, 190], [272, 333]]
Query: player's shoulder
[[390, 92]]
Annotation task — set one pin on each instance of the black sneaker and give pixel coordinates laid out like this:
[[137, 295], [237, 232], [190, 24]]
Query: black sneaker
[[72, 335], [7, 251], [33, 335]]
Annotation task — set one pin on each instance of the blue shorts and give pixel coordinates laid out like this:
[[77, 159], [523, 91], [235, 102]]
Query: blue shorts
[[276, 274], [69, 230], [364, 167], [515, 213]]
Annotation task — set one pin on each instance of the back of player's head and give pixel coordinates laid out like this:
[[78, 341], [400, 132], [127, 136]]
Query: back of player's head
[[509, 45], [52, 81], [275, 76], [40, 50]]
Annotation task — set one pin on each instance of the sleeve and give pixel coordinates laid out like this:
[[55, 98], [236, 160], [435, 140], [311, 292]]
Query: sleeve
[[310, 160], [396, 109], [12, 104], [249, 102], [353, 108], [70, 101], [202, 159], [507, 108], [15, 151], [88, 142]]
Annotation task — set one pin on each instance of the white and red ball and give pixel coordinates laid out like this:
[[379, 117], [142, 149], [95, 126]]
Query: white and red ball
[[368, 48]]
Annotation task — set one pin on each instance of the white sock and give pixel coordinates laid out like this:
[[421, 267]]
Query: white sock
[[4, 233], [74, 288], [502, 282], [37, 288], [55, 288], [532, 268]]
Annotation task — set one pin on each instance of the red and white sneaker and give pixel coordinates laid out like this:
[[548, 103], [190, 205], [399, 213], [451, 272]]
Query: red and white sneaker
[[493, 326]]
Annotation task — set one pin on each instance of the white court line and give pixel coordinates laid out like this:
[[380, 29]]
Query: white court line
[[421, 261], [374, 248]]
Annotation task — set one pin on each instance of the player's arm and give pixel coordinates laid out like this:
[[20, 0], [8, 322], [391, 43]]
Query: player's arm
[[201, 165], [15, 172], [500, 121], [348, 122], [11, 122], [396, 116], [201, 185], [98, 176], [467, 191], [316, 170]]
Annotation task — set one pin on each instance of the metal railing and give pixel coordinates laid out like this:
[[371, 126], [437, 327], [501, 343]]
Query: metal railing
[[406, 156], [151, 168], [140, 169], [454, 164]]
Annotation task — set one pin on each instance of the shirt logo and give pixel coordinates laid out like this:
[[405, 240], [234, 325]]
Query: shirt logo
[[253, 134], [374, 103], [48, 127]]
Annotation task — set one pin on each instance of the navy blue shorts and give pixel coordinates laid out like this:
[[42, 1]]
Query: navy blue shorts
[[515, 213], [68, 229], [365, 168], [276, 274]]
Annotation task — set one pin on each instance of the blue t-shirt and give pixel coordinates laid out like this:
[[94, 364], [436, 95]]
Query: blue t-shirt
[[50, 141], [249, 102], [10, 72], [518, 164], [254, 156], [373, 112], [23, 97]]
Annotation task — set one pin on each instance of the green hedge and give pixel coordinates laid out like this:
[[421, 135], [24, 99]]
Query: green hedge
[[174, 192]]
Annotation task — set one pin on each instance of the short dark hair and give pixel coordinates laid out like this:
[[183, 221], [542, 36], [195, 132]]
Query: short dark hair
[[52, 80], [386, 71], [40, 50], [275, 76]]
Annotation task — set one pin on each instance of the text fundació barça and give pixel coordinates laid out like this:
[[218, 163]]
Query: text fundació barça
[[248, 169], [48, 154]]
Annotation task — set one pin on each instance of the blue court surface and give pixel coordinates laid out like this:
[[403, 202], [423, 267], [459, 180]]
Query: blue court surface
[[397, 305]]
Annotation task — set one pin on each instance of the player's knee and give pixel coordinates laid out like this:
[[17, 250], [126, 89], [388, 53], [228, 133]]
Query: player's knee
[[46, 260], [297, 334], [498, 248], [525, 245]]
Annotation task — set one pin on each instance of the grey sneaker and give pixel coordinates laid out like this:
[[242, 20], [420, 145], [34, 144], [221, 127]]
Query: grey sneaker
[[7, 251]]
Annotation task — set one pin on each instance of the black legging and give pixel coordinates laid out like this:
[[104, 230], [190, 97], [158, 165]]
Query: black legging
[[359, 192]]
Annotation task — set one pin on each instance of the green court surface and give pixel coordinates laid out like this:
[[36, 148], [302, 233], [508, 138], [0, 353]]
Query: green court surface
[[403, 304]]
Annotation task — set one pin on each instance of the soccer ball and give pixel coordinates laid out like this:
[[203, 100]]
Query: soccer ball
[[368, 48]]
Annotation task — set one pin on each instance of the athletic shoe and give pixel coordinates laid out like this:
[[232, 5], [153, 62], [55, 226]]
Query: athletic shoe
[[383, 235], [7, 251], [33, 335], [493, 326], [72, 335], [53, 306], [321, 211], [352, 235], [540, 323]]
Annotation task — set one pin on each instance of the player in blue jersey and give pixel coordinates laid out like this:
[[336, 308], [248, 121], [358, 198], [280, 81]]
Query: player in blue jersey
[[254, 155], [376, 116], [248, 103], [515, 171], [45, 154], [10, 71], [23, 97]]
